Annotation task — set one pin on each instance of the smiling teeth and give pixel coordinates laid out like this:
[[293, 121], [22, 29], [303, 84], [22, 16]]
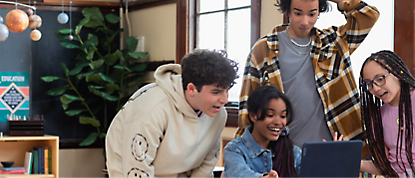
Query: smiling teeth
[[275, 129]]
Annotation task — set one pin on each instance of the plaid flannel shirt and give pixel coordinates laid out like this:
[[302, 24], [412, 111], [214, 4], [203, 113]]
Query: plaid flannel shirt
[[330, 55]]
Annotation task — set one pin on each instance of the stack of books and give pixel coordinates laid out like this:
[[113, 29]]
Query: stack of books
[[12, 170], [38, 161], [42, 160]]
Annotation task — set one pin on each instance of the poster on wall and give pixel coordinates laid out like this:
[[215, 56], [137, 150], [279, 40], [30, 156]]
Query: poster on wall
[[14, 95]]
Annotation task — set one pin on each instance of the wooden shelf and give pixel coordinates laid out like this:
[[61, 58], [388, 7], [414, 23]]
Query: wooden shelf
[[14, 148]]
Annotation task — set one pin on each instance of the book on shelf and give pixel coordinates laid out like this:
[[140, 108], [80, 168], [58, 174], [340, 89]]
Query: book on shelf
[[28, 162], [15, 171], [41, 160], [46, 162], [11, 168], [50, 160], [35, 160]]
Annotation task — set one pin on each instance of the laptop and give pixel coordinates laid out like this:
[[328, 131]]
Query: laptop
[[331, 159]]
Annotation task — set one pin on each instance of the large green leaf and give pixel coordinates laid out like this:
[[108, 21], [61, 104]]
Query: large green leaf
[[137, 55], [82, 75], [81, 24], [107, 78], [109, 97], [97, 19], [65, 69], [110, 59], [111, 18], [88, 120], [90, 139], [91, 42], [65, 102], [97, 92], [112, 37], [132, 43], [96, 64], [66, 31], [74, 112], [51, 78], [78, 68], [68, 45], [119, 66], [138, 67], [111, 87], [72, 97], [94, 78], [58, 91], [81, 57], [91, 53], [95, 87]]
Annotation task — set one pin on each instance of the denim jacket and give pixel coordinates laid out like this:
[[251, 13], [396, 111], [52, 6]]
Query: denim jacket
[[245, 158]]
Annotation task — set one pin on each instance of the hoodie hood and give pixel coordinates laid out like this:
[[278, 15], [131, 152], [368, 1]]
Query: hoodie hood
[[168, 77]]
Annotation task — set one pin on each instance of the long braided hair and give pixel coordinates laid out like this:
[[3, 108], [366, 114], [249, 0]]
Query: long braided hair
[[372, 119]]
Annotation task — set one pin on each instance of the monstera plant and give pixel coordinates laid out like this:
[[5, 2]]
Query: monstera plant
[[103, 77]]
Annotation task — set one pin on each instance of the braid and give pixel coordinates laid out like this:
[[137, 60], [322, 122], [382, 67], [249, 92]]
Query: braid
[[372, 120]]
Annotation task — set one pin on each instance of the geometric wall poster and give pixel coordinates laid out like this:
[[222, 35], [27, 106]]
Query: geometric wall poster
[[14, 95]]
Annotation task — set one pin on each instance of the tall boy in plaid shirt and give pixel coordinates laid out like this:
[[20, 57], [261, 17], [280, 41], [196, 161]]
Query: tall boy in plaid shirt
[[313, 68]]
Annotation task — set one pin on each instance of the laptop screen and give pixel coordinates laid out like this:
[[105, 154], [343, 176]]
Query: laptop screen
[[331, 159]]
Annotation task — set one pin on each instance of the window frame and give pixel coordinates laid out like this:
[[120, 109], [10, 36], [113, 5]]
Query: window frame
[[187, 24]]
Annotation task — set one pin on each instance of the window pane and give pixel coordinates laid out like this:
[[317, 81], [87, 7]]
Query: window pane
[[211, 31], [238, 44], [211, 5], [238, 3]]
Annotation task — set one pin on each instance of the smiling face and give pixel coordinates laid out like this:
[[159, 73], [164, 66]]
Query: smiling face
[[274, 122], [303, 15], [209, 99], [390, 91]]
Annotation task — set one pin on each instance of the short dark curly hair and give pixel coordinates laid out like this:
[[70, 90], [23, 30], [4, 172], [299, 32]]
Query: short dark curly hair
[[284, 6], [205, 67]]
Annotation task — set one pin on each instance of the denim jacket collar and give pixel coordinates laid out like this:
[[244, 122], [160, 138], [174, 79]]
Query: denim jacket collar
[[253, 147]]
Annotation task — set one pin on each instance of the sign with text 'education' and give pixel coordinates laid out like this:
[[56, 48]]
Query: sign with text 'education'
[[14, 95]]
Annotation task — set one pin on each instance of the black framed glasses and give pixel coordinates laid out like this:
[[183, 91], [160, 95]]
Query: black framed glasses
[[378, 81]]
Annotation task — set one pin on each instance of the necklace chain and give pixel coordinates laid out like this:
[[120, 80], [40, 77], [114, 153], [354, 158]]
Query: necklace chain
[[299, 45]]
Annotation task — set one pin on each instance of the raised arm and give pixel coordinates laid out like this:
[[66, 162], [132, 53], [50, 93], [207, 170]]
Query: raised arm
[[360, 18]]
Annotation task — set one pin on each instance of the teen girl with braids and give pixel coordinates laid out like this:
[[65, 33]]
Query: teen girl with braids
[[264, 150], [384, 78]]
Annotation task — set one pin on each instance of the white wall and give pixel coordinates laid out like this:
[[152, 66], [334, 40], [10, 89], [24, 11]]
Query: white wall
[[158, 26], [270, 17]]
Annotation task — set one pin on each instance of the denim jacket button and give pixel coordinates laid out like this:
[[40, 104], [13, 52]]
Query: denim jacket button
[[265, 154]]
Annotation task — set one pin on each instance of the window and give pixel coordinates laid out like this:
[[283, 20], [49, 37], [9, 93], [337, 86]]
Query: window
[[227, 25]]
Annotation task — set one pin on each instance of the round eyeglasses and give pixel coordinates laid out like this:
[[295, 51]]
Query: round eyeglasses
[[378, 81]]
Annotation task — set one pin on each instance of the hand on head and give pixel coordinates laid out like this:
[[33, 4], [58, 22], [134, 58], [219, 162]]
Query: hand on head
[[335, 137], [272, 173]]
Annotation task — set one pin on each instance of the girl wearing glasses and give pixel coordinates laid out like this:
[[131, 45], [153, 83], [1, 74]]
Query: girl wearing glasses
[[386, 87]]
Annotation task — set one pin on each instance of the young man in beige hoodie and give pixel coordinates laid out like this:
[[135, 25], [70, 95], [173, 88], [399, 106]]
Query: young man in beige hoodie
[[172, 128]]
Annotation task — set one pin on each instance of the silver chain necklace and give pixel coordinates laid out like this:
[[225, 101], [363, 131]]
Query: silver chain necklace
[[299, 45]]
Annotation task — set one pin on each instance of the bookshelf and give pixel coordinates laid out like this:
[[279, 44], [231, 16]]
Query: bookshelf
[[13, 148]]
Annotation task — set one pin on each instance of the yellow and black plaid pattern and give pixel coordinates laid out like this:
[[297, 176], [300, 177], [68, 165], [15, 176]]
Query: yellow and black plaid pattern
[[330, 55]]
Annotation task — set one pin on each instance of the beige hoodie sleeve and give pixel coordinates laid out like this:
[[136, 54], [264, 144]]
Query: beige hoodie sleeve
[[206, 169], [141, 143]]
